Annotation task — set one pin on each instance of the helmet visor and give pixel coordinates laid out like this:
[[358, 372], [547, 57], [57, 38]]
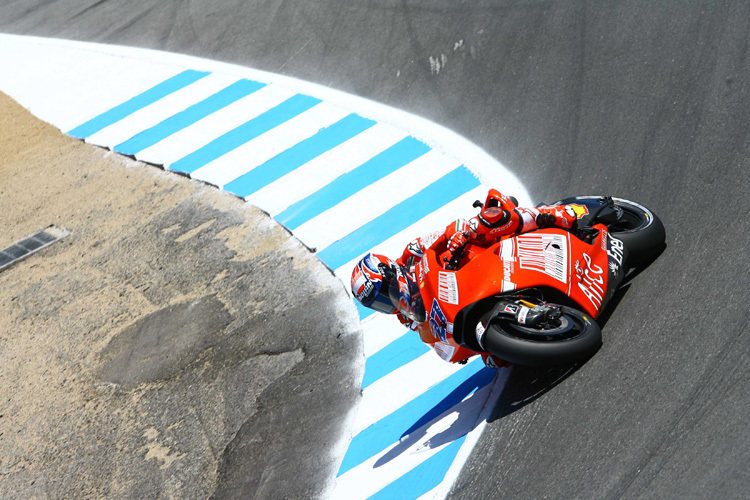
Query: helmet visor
[[382, 303]]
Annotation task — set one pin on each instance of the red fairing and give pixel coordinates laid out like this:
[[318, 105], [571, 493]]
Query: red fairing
[[550, 258]]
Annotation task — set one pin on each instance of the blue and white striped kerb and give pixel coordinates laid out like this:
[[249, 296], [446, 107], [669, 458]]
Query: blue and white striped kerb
[[345, 175]]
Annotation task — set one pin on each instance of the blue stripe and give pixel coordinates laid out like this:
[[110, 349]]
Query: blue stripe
[[197, 111], [398, 218], [299, 154], [376, 168], [422, 478], [140, 101], [416, 413], [401, 351], [244, 133]]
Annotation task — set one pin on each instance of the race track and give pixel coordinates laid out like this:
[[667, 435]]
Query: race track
[[645, 101]]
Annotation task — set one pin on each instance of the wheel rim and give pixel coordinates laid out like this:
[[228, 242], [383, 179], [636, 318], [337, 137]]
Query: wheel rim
[[630, 219], [568, 327]]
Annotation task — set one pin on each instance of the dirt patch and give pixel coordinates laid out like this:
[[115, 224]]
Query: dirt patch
[[133, 351]]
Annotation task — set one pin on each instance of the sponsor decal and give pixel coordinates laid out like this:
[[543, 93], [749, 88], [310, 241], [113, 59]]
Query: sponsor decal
[[445, 351], [591, 281], [366, 290], [499, 231], [604, 239], [511, 308], [361, 286], [507, 269], [448, 287], [616, 251], [423, 268], [438, 322], [480, 330], [428, 240], [580, 210], [523, 314], [544, 253], [506, 253]]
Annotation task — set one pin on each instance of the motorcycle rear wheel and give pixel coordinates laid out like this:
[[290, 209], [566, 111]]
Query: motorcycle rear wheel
[[639, 228], [576, 338]]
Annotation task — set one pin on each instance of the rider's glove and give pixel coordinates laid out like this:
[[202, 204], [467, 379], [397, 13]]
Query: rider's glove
[[545, 220], [456, 241]]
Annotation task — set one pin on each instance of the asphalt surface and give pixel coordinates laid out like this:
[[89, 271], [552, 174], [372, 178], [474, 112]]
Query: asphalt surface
[[643, 100]]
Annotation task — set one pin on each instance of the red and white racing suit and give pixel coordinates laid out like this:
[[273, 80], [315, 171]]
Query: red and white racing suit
[[499, 217]]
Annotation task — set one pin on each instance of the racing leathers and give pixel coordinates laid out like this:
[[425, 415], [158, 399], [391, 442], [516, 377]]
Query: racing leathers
[[498, 217]]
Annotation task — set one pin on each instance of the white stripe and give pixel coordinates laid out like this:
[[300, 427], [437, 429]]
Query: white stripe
[[379, 330], [208, 129], [320, 171], [236, 115], [374, 200], [160, 110], [402, 385], [264, 147], [367, 479]]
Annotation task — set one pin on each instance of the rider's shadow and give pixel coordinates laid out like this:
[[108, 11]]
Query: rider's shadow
[[522, 386], [467, 401], [470, 401], [526, 384]]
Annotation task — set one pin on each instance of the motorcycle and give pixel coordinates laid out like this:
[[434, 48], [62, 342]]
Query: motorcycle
[[530, 299]]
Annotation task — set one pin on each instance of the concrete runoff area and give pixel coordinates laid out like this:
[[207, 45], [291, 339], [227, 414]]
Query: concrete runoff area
[[177, 343]]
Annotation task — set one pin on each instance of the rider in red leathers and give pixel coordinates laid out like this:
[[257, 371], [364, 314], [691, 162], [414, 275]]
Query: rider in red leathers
[[499, 216]]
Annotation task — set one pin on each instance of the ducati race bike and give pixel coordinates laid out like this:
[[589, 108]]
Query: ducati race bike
[[532, 299]]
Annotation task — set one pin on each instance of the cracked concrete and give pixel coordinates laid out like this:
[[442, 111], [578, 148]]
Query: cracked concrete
[[177, 344]]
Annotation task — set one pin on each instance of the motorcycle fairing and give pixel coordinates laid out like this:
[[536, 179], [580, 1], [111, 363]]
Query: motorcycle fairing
[[588, 273]]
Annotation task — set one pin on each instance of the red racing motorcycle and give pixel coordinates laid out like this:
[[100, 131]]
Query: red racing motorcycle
[[532, 299]]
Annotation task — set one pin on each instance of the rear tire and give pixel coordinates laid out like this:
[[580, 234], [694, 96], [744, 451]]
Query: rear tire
[[577, 338], [640, 229]]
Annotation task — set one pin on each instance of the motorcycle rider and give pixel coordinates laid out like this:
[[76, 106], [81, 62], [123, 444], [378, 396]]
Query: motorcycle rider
[[499, 216]]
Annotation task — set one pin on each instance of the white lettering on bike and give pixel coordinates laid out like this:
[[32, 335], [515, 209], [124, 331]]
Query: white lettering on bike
[[592, 282], [445, 351], [506, 253], [616, 250], [545, 253], [448, 287]]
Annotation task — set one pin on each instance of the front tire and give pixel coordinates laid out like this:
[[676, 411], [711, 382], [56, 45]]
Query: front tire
[[576, 338]]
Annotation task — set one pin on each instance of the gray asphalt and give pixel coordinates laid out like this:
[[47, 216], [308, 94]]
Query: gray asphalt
[[644, 100]]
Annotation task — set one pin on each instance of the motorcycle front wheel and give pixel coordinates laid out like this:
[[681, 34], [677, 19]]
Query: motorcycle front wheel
[[574, 337]]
